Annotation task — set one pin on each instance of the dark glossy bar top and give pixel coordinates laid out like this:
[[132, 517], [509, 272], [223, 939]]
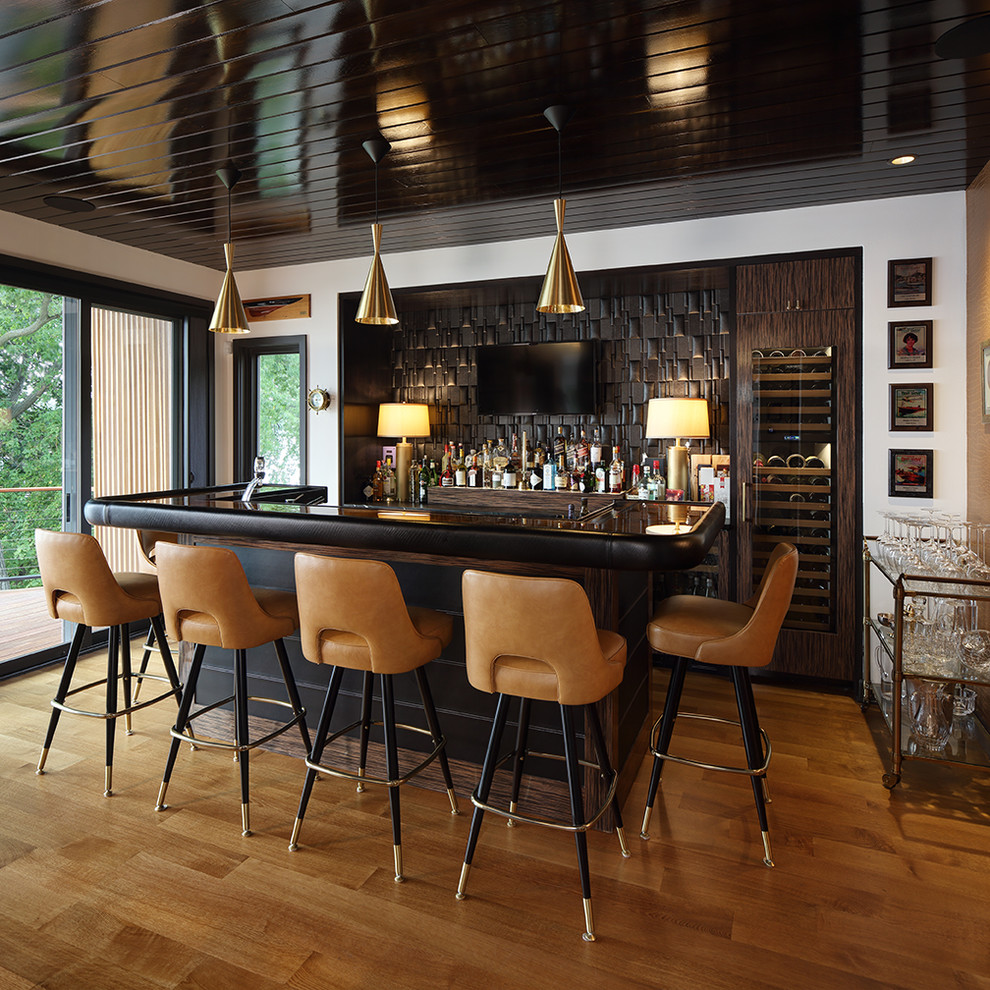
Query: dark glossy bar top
[[625, 535]]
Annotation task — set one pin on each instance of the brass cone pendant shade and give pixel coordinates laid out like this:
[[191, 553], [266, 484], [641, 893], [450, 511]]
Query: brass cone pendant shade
[[560, 292], [376, 305], [228, 314]]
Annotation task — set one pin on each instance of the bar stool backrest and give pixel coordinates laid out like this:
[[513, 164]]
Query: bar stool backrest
[[754, 644], [548, 620], [79, 585], [206, 598], [352, 614], [147, 538]]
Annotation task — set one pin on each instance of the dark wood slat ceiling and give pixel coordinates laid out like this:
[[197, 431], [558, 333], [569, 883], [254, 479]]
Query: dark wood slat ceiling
[[683, 109]]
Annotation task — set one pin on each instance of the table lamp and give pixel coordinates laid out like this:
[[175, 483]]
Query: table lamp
[[403, 419], [678, 419]]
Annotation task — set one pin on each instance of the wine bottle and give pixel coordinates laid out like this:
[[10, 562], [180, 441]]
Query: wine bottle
[[616, 469]]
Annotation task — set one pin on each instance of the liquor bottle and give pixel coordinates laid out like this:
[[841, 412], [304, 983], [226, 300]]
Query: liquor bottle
[[425, 480], [658, 484], [500, 459], [549, 474], [559, 445], [510, 474], [634, 487], [389, 481], [473, 471], [563, 479], [570, 451], [582, 453], [413, 493], [460, 469], [373, 489], [486, 466], [595, 449], [535, 474], [445, 460], [615, 472], [447, 475]]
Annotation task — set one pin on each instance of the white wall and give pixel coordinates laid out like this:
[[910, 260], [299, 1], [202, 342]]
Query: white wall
[[33, 240], [908, 227]]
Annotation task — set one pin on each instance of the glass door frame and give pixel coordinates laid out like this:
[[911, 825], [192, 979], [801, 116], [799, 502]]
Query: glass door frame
[[194, 398]]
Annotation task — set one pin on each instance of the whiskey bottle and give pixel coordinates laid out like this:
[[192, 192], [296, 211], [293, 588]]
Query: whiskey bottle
[[562, 479], [615, 472], [460, 469], [510, 475], [389, 481], [500, 459]]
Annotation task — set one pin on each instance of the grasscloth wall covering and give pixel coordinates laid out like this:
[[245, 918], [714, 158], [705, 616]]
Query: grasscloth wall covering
[[673, 343]]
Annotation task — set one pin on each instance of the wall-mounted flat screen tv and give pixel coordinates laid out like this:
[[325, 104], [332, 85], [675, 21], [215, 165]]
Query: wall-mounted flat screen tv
[[522, 379]]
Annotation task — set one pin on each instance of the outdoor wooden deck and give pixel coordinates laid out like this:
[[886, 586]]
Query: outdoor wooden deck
[[25, 625]]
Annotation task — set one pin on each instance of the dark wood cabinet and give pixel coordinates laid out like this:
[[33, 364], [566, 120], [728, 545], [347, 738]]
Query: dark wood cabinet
[[797, 446], [808, 284]]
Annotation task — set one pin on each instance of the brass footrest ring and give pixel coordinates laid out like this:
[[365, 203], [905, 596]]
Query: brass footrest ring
[[746, 771]]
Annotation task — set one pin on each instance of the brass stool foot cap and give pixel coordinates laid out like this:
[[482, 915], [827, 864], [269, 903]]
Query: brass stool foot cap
[[512, 810], [397, 852], [108, 793], [294, 838], [462, 882], [589, 923], [767, 856], [459, 896], [39, 772], [454, 810], [623, 848], [245, 819], [293, 847]]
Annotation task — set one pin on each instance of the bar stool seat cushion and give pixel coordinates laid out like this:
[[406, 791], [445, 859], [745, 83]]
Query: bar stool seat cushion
[[682, 623], [528, 677], [435, 630], [241, 616], [137, 599], [536, 638]]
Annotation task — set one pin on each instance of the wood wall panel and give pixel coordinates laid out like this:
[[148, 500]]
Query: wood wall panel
[[977, 330]]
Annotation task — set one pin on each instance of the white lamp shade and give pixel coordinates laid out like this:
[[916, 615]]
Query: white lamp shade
[[403, 419], [677, 418]]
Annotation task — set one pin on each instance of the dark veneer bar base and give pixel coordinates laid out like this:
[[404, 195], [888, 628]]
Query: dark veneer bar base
[[610, 554]]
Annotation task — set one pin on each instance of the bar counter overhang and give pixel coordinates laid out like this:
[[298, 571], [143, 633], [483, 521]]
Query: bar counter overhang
[[612, 550]]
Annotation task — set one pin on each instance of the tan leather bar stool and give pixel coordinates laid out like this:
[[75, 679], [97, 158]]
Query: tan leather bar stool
[[352, 615], [535, 639], [81, 588], [207, 600], [708, 630]]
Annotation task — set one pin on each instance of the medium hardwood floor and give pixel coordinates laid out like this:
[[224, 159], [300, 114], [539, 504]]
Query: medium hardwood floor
[[871, 888]]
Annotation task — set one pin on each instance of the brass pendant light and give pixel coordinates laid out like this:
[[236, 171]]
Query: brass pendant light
[[229, 315], [376, 305], [560, 292]]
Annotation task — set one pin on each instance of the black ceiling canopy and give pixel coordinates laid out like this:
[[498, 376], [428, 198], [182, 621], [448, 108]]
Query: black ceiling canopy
[[684, 109]]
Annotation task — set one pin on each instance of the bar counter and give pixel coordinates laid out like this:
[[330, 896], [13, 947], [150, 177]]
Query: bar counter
[[612, 550]]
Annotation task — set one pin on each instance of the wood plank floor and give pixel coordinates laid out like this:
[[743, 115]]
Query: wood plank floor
[[871, 889], [25, 625]]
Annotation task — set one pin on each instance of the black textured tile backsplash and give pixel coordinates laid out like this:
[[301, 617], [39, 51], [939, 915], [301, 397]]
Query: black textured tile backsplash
[[672, 343]]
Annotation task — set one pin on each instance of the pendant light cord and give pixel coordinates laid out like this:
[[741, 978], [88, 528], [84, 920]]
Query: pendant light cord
[[228, 214], [376, 192]]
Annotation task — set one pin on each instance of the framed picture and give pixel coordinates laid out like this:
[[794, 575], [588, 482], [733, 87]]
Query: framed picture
[[910, 473], [909, 344], [985, 384], [911, 407], [909, 282]]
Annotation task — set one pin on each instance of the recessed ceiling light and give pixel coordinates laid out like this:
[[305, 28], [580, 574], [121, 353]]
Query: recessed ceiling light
[[69, 204], [902, 160]]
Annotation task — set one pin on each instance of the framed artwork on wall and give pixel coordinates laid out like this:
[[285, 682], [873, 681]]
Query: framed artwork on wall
[[911, 407], [909, 344], [985, 379], [909, 282], [910, 474]]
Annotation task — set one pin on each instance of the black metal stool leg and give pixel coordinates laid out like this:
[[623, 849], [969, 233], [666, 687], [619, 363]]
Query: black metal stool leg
[[60, 693], [438, 740], [392, 770], [322, 731], [519, 756], [577, 815], [367, 690], [670, 706], [158, 632], [113, 647], [293, 692], [185, 704], [125, 675], [145, 657], [484, 787], [598, 737], [242, 735], [754, 749]]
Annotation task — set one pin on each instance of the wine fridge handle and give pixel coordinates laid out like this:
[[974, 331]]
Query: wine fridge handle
[[745, 501]]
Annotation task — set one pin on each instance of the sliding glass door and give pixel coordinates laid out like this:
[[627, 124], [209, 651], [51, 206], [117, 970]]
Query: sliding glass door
[[97, 397]]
